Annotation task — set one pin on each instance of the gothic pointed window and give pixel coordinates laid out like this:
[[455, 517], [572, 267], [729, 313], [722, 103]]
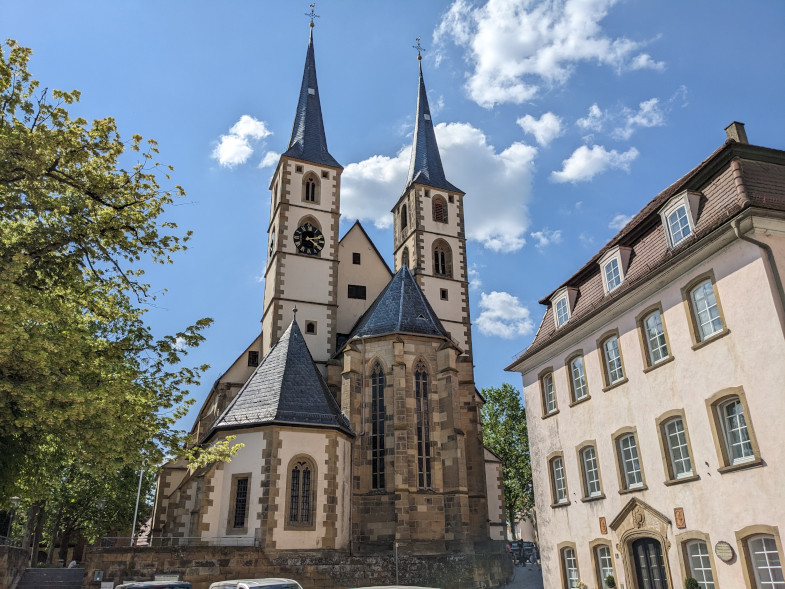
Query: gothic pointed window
[[377, 427], [405, 257], [310, 190], [404, 217], [439, 210], [423, 426], [442, 259], [301, 496]]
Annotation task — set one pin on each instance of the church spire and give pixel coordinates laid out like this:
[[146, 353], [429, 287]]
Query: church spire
[[426, 163], [308, 141]]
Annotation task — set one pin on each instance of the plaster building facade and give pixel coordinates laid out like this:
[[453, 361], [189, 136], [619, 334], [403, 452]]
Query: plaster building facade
[[654, 390], [356, 404]]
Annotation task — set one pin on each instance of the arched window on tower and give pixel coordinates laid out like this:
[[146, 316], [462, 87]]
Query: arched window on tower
[[301, 496], [442, 259], [421, 383], [405, 257], [404, 217], [439, 209], [311, 189], [377, 427]]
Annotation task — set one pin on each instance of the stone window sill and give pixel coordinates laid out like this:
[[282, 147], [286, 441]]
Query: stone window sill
[[551, 414], [562, 504], [633, 490], [618, 383], [595, 498], [742, 466], [667, 360], [711, 338], [581, 400], [688, 479]]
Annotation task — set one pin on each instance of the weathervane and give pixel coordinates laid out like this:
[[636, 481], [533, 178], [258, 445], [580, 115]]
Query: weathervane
[[294, 312], [419, 48], [312, 14]]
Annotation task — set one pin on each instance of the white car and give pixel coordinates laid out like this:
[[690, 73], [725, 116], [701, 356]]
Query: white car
[[254, 583]]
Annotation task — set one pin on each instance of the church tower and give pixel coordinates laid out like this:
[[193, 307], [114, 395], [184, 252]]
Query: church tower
[[429, 230], [302, 250]]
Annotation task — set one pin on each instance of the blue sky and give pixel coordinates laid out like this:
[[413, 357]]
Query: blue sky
[[558, 119]]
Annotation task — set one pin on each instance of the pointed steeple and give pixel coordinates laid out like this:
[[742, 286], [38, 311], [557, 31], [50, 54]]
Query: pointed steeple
[[426, 163], [308, 141]]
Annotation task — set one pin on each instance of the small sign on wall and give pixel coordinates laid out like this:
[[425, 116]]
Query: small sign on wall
[[603, 526], [724, 551], [678, 514]]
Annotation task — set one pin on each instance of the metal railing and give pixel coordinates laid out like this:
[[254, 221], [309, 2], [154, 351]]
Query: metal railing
[[165, 541]]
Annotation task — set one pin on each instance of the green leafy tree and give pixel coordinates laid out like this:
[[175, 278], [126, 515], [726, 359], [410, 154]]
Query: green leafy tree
[[82, 378], [505, 434]]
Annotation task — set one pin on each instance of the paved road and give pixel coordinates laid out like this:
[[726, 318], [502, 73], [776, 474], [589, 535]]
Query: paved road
[[526, 578]]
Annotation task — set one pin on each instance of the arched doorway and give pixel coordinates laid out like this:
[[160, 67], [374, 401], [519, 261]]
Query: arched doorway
[[649, 565]]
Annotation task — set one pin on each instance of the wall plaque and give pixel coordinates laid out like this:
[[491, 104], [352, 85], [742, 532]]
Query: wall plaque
[[724, 551], [603, 526], [678, 515]]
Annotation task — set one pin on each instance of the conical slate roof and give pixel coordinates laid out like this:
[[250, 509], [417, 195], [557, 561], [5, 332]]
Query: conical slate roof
[[286, 388], [400, 308], [425, 166], [308, 141]]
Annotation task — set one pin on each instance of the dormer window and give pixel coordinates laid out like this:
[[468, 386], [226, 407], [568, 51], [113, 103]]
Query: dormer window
[[311, 91], [427, 117], [613, 266], [563, 302], [679, 216]]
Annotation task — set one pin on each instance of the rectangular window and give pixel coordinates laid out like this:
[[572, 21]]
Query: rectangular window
[[704, 307], [631, 467], [559, 482], [356, 291], [253, 358], [737, 437], [578, 377], [548, 393], [700, 563], [443, 294], [766, 562], [678, 451], [612, 357], [240, 503], [612, 275], [654, 333], [678, 225], [325, 174], [602, 555], [355, 258], [562, 312], [570, 564], [591, 472]]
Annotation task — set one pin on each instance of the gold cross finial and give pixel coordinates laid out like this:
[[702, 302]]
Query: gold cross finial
[[312, 15], [419, 48]]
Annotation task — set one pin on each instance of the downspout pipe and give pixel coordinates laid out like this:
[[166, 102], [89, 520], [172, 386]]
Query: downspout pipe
[[771, 266]]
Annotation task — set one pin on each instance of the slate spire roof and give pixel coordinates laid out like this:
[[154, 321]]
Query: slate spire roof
[[286, 388], [400, 308], [308, 141], [425, 166]]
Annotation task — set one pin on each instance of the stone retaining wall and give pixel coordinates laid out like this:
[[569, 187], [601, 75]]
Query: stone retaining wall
[[488, 567], [13, 562]]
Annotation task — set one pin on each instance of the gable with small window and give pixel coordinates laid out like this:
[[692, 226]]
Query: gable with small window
[[679, 216], [563, 302], [613, 265]]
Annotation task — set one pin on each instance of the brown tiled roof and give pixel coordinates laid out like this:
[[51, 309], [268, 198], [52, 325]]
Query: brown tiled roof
[[759, 181]]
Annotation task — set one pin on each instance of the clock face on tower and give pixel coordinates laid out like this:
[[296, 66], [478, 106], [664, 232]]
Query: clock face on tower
[[308, 239]]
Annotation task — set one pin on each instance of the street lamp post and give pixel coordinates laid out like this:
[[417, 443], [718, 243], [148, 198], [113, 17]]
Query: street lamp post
[[14, 505]]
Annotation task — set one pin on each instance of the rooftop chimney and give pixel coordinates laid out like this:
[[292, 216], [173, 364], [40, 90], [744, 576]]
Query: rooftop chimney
[[736, 132]]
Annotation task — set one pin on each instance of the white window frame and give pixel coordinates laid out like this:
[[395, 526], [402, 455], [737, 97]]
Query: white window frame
[[656, 343], [630, 462], [708, 305], [603, 560], [678, 448], [688, 202], [570, 563], [620, 256], [580, 389], [559, 480], [591, 472], [613, 365], [565, 297], [698, 550], [549, 393], [768, 545], [728, 430], [562, 311]]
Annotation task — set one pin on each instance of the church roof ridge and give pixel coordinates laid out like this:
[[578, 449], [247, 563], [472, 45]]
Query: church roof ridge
[[286, 388], [308, 141], [425, 166]]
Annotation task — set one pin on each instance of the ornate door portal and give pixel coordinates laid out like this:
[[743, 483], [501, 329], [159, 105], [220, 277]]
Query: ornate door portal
[[649, 565]]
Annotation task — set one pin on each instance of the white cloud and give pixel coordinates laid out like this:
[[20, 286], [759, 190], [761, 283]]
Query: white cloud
[[235, 148], [593, 121], [546, 237], [497, 185], [619, 221], [474, 277], [502, 315], [649, 114], [179, 344], [516, 46], [585, 163], [270, 159], [586, 240], [545, 129]]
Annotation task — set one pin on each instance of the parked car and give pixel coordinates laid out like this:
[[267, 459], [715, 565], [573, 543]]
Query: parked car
[[155, 585], [271, 583]]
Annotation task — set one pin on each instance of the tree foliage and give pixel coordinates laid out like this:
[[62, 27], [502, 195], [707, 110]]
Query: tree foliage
[[505, 434], [83, 380]]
